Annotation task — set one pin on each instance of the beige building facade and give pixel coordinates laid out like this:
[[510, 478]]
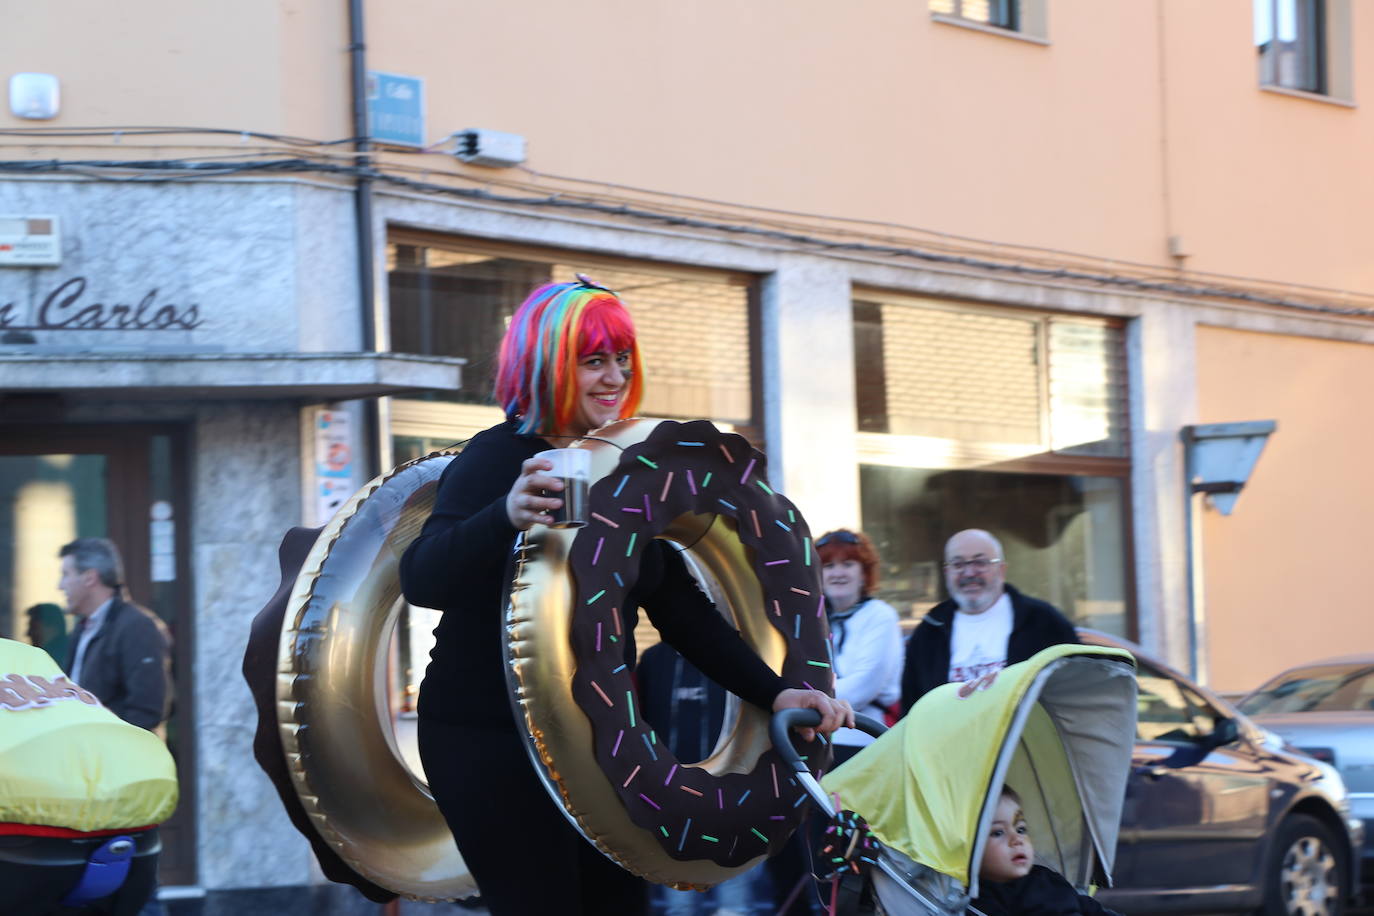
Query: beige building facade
[[949, 262]]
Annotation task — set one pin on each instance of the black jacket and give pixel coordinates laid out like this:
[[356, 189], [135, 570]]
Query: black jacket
[[1043, 892], [458, 565], [686, 707], [1035, 625], [128, 665]]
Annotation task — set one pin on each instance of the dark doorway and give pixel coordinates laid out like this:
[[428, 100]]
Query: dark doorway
[[127, 483]]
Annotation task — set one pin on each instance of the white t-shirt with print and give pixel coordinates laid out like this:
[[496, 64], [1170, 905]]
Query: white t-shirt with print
[[978, 645]]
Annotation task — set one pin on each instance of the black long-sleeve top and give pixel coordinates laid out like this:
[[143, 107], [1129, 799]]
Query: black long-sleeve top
[[458, 565]]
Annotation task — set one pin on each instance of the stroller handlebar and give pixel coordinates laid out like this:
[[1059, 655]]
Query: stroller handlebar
[[788, 719]]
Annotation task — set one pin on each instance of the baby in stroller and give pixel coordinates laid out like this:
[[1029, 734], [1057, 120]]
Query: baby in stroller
[[1010, 880], [916, 807]]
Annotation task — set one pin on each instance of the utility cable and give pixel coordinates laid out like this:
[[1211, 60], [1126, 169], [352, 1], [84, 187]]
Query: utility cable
[[178, 170]]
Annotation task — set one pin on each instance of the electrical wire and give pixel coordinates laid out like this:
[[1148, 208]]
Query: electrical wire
[[119, 132], [934, 239], [226, 165]]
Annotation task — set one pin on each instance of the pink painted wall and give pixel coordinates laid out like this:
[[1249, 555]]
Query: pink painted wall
[[1103, 142], [1285, 573]]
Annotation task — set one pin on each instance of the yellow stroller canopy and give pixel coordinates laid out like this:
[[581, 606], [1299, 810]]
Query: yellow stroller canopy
[[1058, 729], [66, 761]]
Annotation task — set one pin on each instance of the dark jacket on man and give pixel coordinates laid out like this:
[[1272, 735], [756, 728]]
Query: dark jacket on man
[[1035, 625], [128, 665]]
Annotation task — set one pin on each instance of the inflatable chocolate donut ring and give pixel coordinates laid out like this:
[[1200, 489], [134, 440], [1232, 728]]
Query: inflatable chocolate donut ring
[[678, 823]]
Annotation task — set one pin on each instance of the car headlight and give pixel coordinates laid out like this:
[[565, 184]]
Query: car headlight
[[1329, 778]]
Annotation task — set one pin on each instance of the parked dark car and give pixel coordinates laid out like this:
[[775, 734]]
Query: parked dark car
[[1326, 709], [1221, 815]]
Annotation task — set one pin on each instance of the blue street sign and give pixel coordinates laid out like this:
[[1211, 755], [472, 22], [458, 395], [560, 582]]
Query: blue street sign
[[395, 108]]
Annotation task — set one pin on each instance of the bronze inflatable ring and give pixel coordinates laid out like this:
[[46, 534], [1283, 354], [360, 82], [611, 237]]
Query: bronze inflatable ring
[[332, 711], [682, 824]]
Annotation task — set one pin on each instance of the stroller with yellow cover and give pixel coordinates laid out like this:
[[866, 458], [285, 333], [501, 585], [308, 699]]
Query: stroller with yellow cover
[[81, 795], [1058, 729]]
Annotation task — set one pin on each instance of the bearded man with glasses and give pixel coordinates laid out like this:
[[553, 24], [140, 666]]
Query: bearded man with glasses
[[985, 626]]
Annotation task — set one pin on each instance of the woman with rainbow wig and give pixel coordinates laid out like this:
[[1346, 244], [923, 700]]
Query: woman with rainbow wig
[[568, 365]]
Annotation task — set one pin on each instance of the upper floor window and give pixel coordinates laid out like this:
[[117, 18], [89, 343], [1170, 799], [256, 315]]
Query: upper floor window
[[1001, 13], [1304, 46], [1291, 38], [1014, 18]]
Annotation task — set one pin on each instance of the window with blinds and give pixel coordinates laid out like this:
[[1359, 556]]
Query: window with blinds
[[967, 374], [1010, 420], [451, 297]]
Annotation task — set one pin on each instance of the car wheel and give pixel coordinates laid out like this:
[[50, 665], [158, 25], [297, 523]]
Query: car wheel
[[1305, 875]]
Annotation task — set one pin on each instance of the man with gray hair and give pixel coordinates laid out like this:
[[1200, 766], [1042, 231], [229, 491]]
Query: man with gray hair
[[985, 626], [119, 651]]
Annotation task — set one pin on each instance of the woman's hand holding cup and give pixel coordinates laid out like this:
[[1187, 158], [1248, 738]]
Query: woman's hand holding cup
[[558, 497], [527, 503]]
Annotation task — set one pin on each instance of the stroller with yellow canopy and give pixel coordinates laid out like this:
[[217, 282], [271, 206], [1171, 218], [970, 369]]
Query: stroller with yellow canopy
[[81, 795], [1058, 729]]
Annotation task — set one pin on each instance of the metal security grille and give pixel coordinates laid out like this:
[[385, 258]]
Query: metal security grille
[[453, 298], [990, 376], [1088, 388], [694, 338], [956, 374]]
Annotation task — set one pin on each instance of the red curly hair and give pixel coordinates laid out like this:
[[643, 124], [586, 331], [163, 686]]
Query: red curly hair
[[843, 544]]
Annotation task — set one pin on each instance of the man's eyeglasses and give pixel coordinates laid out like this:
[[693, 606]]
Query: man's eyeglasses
[[977, 564], [843, 537]]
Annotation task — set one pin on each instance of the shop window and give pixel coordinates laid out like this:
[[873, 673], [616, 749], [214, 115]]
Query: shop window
[[1304, 45], [1009, 420], [1063, 535], [453, 297]]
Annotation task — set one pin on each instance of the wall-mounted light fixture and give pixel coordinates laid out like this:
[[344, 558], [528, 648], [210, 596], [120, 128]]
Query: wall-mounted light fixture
[[1219, 458]]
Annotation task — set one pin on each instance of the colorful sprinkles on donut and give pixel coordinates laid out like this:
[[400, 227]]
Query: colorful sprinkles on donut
[[693, 468]]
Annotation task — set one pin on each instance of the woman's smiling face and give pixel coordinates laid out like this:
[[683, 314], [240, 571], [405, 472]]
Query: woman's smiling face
[[843, 582], [601, 380]]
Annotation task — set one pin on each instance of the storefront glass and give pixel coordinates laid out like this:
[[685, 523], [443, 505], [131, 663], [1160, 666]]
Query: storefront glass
[[1063, 536], [1010, 420]]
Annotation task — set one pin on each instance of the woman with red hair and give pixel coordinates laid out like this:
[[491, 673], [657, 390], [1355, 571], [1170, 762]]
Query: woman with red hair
[[568, 365], [866, 650], [866, 638]]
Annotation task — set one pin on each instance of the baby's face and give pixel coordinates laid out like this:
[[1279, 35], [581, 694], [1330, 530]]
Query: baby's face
[[1008, 854]]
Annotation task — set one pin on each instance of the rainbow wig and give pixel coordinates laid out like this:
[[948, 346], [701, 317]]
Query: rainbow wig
[[549, 334]]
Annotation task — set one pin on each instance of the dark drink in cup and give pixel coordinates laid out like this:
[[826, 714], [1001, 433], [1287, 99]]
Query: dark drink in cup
[[573, 512], [573, 466]]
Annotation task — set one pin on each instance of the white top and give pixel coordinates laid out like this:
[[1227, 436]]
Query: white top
[[978, 645], [92, 627], [866, 652]]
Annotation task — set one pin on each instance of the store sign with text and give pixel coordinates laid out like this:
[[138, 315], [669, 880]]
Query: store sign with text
[[74, 305]]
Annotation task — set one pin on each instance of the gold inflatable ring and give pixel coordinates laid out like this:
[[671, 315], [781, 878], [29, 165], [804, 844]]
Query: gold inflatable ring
[[325, 734], [674, 822]]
